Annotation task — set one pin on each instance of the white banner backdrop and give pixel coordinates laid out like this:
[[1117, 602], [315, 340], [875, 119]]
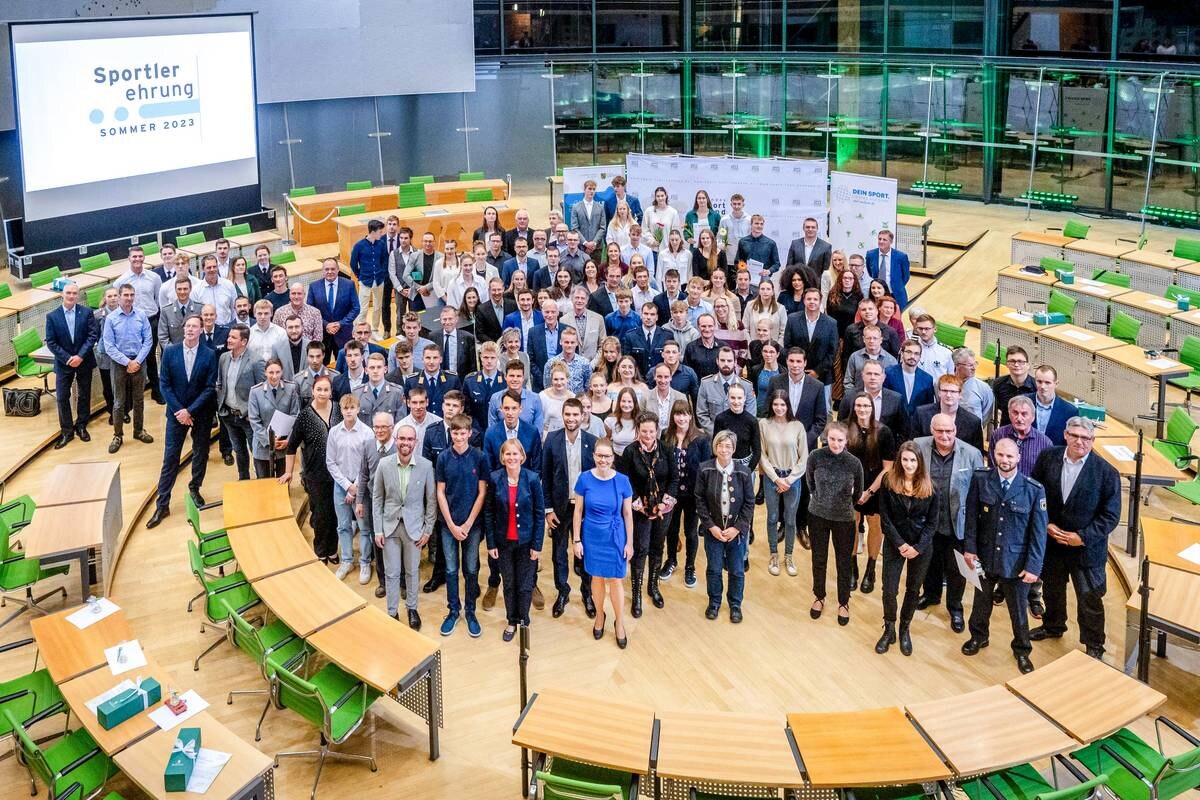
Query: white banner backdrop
[[784, 191], [860, 206]]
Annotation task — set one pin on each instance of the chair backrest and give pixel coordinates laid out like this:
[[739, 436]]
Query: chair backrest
[[989, 352], [1060, 303], [1124, 327], [354, 186], [1095, 788], [472, 176], [1189, 352], [45, 277], [1075, 229], [1175, 292], [292, 691], [1112, 278], [1187, 248], [192, 513], [478, 195], [557, 787], [284, 257], [412, 195], [421, 179], [951, 336], [912, 211], [1181, 427], [302, 191], [94, 297], [242, 229], [245, 637], [151, 248], [27, 341], [1187, 761], [5, 291], [1056, 265], [356, 208], [188, 239], [97, 261], [31, 754]]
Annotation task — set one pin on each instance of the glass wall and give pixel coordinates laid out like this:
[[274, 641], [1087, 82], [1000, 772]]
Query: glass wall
[[638, 25], [1071, 28]]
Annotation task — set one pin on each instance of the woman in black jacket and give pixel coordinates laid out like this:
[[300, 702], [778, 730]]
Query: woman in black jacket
[[909, 513], [650, 466], [691, 447]]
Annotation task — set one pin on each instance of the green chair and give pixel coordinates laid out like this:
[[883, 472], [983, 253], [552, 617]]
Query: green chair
[[242, 229], [479, 195], [1124, 327], [1174, 292], [951, 336], [357, 208], [25, 343], [412, 195], [5, 291], [1056, 265], [16, 514], [1073, 229], [1112, 278], [151, 248], [357, 186], [1177, 444], [214, 547], [302, 191], [284, 257], [1186, 248], [231, 591], [73, 768], [563, 779], [1189, 354], [989, 353], [44, 278], [912, 211], [1188, 490], [20, 573], [31, 698], [421, 179], [189, 239], [472, 176], [1060, 303], [94, 297], [333, 700], [1136, 771], [1026, 783], [271, 647], [98, 261]]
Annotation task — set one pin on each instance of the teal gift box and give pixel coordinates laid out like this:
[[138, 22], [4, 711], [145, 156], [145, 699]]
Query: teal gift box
[[1045, 318], [129, 703], [1090, 411], [182, 760]]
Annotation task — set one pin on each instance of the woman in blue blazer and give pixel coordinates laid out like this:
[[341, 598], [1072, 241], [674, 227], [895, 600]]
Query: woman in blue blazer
[[515, 526]]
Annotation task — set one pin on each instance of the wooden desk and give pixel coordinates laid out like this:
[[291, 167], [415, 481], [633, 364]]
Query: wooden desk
[[73, 534], [1015, 287], [1188, 276], [456, 220], [79, 482], [248, 773], [303, 268], [251, 502], [1157, 469], [1090, 255], [245, 244], [1030, 247], [85, 281], [878, 747], [26, 299], [593, 729], [79, 691], [308, 598], [1011, 327], [67, 533], [989, 729], [1173, 610], [1183, 325], [1154, 311], [1111, 428], [390, 657], [1091, 301], [1163, 540], [1150, 271], [69, 651], [1072, 351], [1085, 697], [1128, 382], [704, 748], [113, 271], [269, 548]]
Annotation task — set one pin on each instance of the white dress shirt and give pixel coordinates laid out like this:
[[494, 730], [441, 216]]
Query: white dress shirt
[[1070, 474]]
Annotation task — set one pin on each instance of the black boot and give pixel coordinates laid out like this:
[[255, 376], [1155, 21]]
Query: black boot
[[905, 640], [888, 638], [854, 574], [868, 581], [652, 587], [635, 588]]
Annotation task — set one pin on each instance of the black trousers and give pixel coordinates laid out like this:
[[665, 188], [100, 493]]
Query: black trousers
[[683, 519], [518, 572], [223, 439], [201, 432], [81, 378], [943, 566], [561, 545], [893, 565], [387, 306], [152, 360], [106, 388], [1016, 597], [322, 517], [842, 533], [240, 436], [802, 509], [649, 538], [1066, 564]]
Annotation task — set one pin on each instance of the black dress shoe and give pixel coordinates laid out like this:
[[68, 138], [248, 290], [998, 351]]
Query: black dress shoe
[[1040, 634], [432, 585], [197, 498], [414, 619], [158, 398], [63, 440], [589, 606], [508, 634], [905, 641], [159, 515], [1024, 664], [972, 646], [735, 615], [711, 612], [1036, 609], [1095, 652], [956, 622], [380, 591], [560, 605], [227, 458], [83, 434], [926, 602]]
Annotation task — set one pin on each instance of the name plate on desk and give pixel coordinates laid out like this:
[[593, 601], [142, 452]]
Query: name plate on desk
[[435, 212], [1078, 336]]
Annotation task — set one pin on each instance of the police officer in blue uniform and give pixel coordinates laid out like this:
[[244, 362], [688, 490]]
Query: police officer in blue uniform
[[1006, 535]]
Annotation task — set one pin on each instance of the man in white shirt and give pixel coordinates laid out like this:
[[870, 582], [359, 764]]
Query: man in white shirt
[[419, 418], [735, 225], [643, 292], [216, 291], [976, 395], [935, 359], [636, 246], [663, 397], [344, 450], [539, 249], [268, 340], [146, 285], [169, 274]]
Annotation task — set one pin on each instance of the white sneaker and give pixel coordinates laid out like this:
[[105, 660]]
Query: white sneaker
[[791, 565], [343, 570], [364, 574], [773, 566]]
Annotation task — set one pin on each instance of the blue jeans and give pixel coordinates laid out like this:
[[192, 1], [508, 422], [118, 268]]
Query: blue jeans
[[347, 524], [781, 505], [470, 568], [725, 555]]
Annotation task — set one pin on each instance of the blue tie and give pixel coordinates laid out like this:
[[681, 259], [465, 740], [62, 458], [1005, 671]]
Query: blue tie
[[329, 295], [1004, 486]]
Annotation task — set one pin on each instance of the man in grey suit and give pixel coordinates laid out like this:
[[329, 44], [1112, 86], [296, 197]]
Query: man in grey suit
[[659, 400], [383, 446], [810, 252], [171, 316], [237, 371], [587, 323], [378, 394], [588, 218], [713, 397], [403, 513], [273, 394], [314, 354]]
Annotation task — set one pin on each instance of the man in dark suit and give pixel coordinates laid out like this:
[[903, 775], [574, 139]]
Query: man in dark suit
[[670, 293], [166, 271], [1051, 412], [891, 267], [559, 479], [336, 299], [645, 342], [544, 343], [212, 335], [71, 335], [187, 380], [816, 332], [525, 318], [521, 231], [260, 270], [489, 317], [458, 345], [1083, 498], [435, 380], [1006, 534], [810, 251], [520, 262], [604, 300], [913, 384], [543, 277], [619, 193], [889, 406], [949, 391]]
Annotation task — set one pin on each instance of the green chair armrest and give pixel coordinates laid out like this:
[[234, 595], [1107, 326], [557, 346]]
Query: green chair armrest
[[992, 790], [79, 762], [345, 698], [7, 646], [1183, 734], [74, 790], [46, 713], [1124, 762]]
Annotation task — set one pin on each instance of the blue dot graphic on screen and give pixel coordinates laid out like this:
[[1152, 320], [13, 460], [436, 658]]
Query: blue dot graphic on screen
[[121, 113], [96, 117]]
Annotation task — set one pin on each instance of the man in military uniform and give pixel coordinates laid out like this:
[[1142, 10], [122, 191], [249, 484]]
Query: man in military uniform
[[1006, 535]]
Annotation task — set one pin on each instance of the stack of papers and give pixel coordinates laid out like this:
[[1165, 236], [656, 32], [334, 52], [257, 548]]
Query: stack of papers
[[208, 765]]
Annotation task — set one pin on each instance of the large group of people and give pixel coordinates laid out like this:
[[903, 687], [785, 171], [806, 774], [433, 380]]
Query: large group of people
[[618, 381]]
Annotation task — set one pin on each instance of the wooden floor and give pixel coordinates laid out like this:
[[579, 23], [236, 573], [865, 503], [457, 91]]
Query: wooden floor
[[778, 660]]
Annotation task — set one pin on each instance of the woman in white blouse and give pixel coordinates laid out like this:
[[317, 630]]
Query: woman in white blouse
[[765, 307], [675, 255], [660, 219], [618, 227], [554, 395]]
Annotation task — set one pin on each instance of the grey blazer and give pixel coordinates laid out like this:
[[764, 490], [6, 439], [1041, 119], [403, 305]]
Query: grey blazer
[[591, 229], [391, 399], [589, 340], [416, 511], [262, 405], [966, 460], [711, 400], [366, 479], [304, 382], [649, 400], [818, 261], [170, 322], [250, 374]]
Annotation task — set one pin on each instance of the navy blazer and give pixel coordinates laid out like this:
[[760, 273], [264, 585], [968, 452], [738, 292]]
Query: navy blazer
[[823, 347], [893, 378], [812, 411], [435, 390], [531, 510], [663, 304], [340, 364], [510, 267], [513, 320], [610, 206], [198, 395], [646, 354], [82, 343], [1060, 412], [538, 355], [968, 427], [554, 468], [1092, 510], [345, 306], [541, 277], [899, 277], [216, 340], [1007, 531], [529, 437]]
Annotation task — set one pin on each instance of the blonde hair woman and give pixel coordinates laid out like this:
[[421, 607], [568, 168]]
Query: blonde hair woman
[[766, 308], [618, 227]]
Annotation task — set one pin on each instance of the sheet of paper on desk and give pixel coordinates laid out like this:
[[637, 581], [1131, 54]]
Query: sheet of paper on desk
[[1163, 363], [1191, 553], [1119, 451], [1164, 304], [91, 613], [281, 424], [1077, 335], [1017, 316], [125, 656], [208, 765], [971, 575], [95, 702], [166, 719]]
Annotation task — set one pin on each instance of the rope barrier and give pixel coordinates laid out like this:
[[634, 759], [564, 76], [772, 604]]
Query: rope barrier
[[296, 211]]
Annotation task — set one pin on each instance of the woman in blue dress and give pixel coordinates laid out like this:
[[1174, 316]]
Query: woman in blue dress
[[604, 534]]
